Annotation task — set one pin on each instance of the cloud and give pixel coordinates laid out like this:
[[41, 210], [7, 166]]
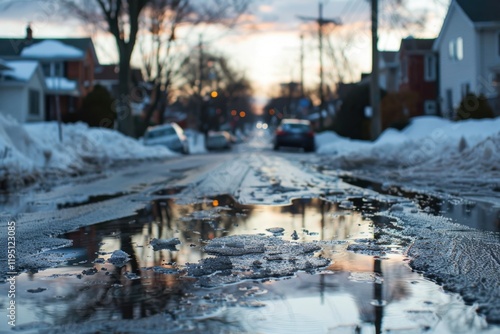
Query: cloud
[[266, 8]]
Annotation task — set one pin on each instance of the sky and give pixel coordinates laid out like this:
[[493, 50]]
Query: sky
[[266, 43]]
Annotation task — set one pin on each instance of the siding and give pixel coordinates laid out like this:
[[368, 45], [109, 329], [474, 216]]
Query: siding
[[490, 58], [14, 102], [455, 73]]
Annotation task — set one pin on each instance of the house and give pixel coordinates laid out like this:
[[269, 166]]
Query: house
[[469, 45], [389, 70], [419, 75], [22, 90], [67, 63], [107, 76]]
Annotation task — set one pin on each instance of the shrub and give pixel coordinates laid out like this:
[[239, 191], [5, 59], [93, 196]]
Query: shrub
[[473, 106], [97, 108]]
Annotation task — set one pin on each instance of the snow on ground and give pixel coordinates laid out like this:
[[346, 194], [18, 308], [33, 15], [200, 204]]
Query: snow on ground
[[31, 151], [462, 259], [430, 149]]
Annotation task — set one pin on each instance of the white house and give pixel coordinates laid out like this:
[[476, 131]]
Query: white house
[[469, 49], [22, 90]]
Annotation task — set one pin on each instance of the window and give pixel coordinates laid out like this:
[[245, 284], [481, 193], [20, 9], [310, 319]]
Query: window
[[46, 69], [53, 69], [451, 50], [59, 69], [430, 68], [430, 107], [460, 48], [34, 102], [456, 49]]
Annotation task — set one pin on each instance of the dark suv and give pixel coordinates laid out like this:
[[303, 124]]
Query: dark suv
[[294, 133]]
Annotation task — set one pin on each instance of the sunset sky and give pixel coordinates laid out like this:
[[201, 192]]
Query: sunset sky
[[266, 44]]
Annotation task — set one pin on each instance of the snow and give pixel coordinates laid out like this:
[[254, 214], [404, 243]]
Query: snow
[[21, 69], [463, 259], [437, 152], [51, 49], [31, 151], [442, 133], [60, 84], [3, 64]]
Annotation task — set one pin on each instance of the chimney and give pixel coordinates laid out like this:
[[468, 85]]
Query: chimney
[[29, 32]]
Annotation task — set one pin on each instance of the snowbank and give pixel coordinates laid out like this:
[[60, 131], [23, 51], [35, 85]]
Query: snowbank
[[428, 140], [429, 149], [31, 151]]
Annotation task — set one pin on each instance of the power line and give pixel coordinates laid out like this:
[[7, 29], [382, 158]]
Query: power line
[[321, 22]]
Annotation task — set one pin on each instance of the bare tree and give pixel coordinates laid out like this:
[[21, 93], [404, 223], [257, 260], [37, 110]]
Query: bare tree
[[224, 87], [121, 19], [162, 54], [395, 18], [159, 60]]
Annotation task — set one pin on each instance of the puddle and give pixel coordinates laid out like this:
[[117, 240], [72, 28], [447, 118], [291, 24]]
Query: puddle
[[361, 290], [479, 215]]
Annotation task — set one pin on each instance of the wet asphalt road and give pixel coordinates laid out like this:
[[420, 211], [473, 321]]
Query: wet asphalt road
[[73, 226]]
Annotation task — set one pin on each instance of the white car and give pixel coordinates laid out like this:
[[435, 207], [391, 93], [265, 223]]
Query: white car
[[220, 140], [170, 135]]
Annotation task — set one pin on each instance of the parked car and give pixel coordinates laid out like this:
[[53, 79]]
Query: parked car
[[294, 133], [220, 140], [170, 135]]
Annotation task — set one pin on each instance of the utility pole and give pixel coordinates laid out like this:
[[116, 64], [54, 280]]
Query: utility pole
[[301, 65], [376, 123], [200, 64], [200, 82], [321, 22]]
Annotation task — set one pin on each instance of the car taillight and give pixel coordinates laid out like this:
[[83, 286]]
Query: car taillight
[[310, 134], [280, 133]]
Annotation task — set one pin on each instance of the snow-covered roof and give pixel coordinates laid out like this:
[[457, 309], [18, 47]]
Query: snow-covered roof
[[3, 65], [62, 85], [50, 49], [21, 70]]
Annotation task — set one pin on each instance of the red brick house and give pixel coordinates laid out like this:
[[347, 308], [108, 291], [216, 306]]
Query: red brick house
[[419, 74], [68, 65]]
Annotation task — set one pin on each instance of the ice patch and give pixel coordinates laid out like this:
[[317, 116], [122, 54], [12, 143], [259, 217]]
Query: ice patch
[[169, 244], [463, 259], [119, 258], [242, 257]]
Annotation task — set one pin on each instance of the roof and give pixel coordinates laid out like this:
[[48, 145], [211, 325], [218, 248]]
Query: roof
[[13, 47], [20, 70], [59, 85], [111, 72], [389, 57], [51, 49], [106, 72], [3, 65], [417, 44], [481, 10]]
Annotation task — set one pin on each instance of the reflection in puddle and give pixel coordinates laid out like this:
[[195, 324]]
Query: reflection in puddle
[[479, 215], [359, 292]]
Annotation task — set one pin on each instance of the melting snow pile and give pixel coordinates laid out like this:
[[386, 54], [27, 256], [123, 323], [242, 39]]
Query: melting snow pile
[[33, 150], [466, 263], [428, 140], [431, 148]]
